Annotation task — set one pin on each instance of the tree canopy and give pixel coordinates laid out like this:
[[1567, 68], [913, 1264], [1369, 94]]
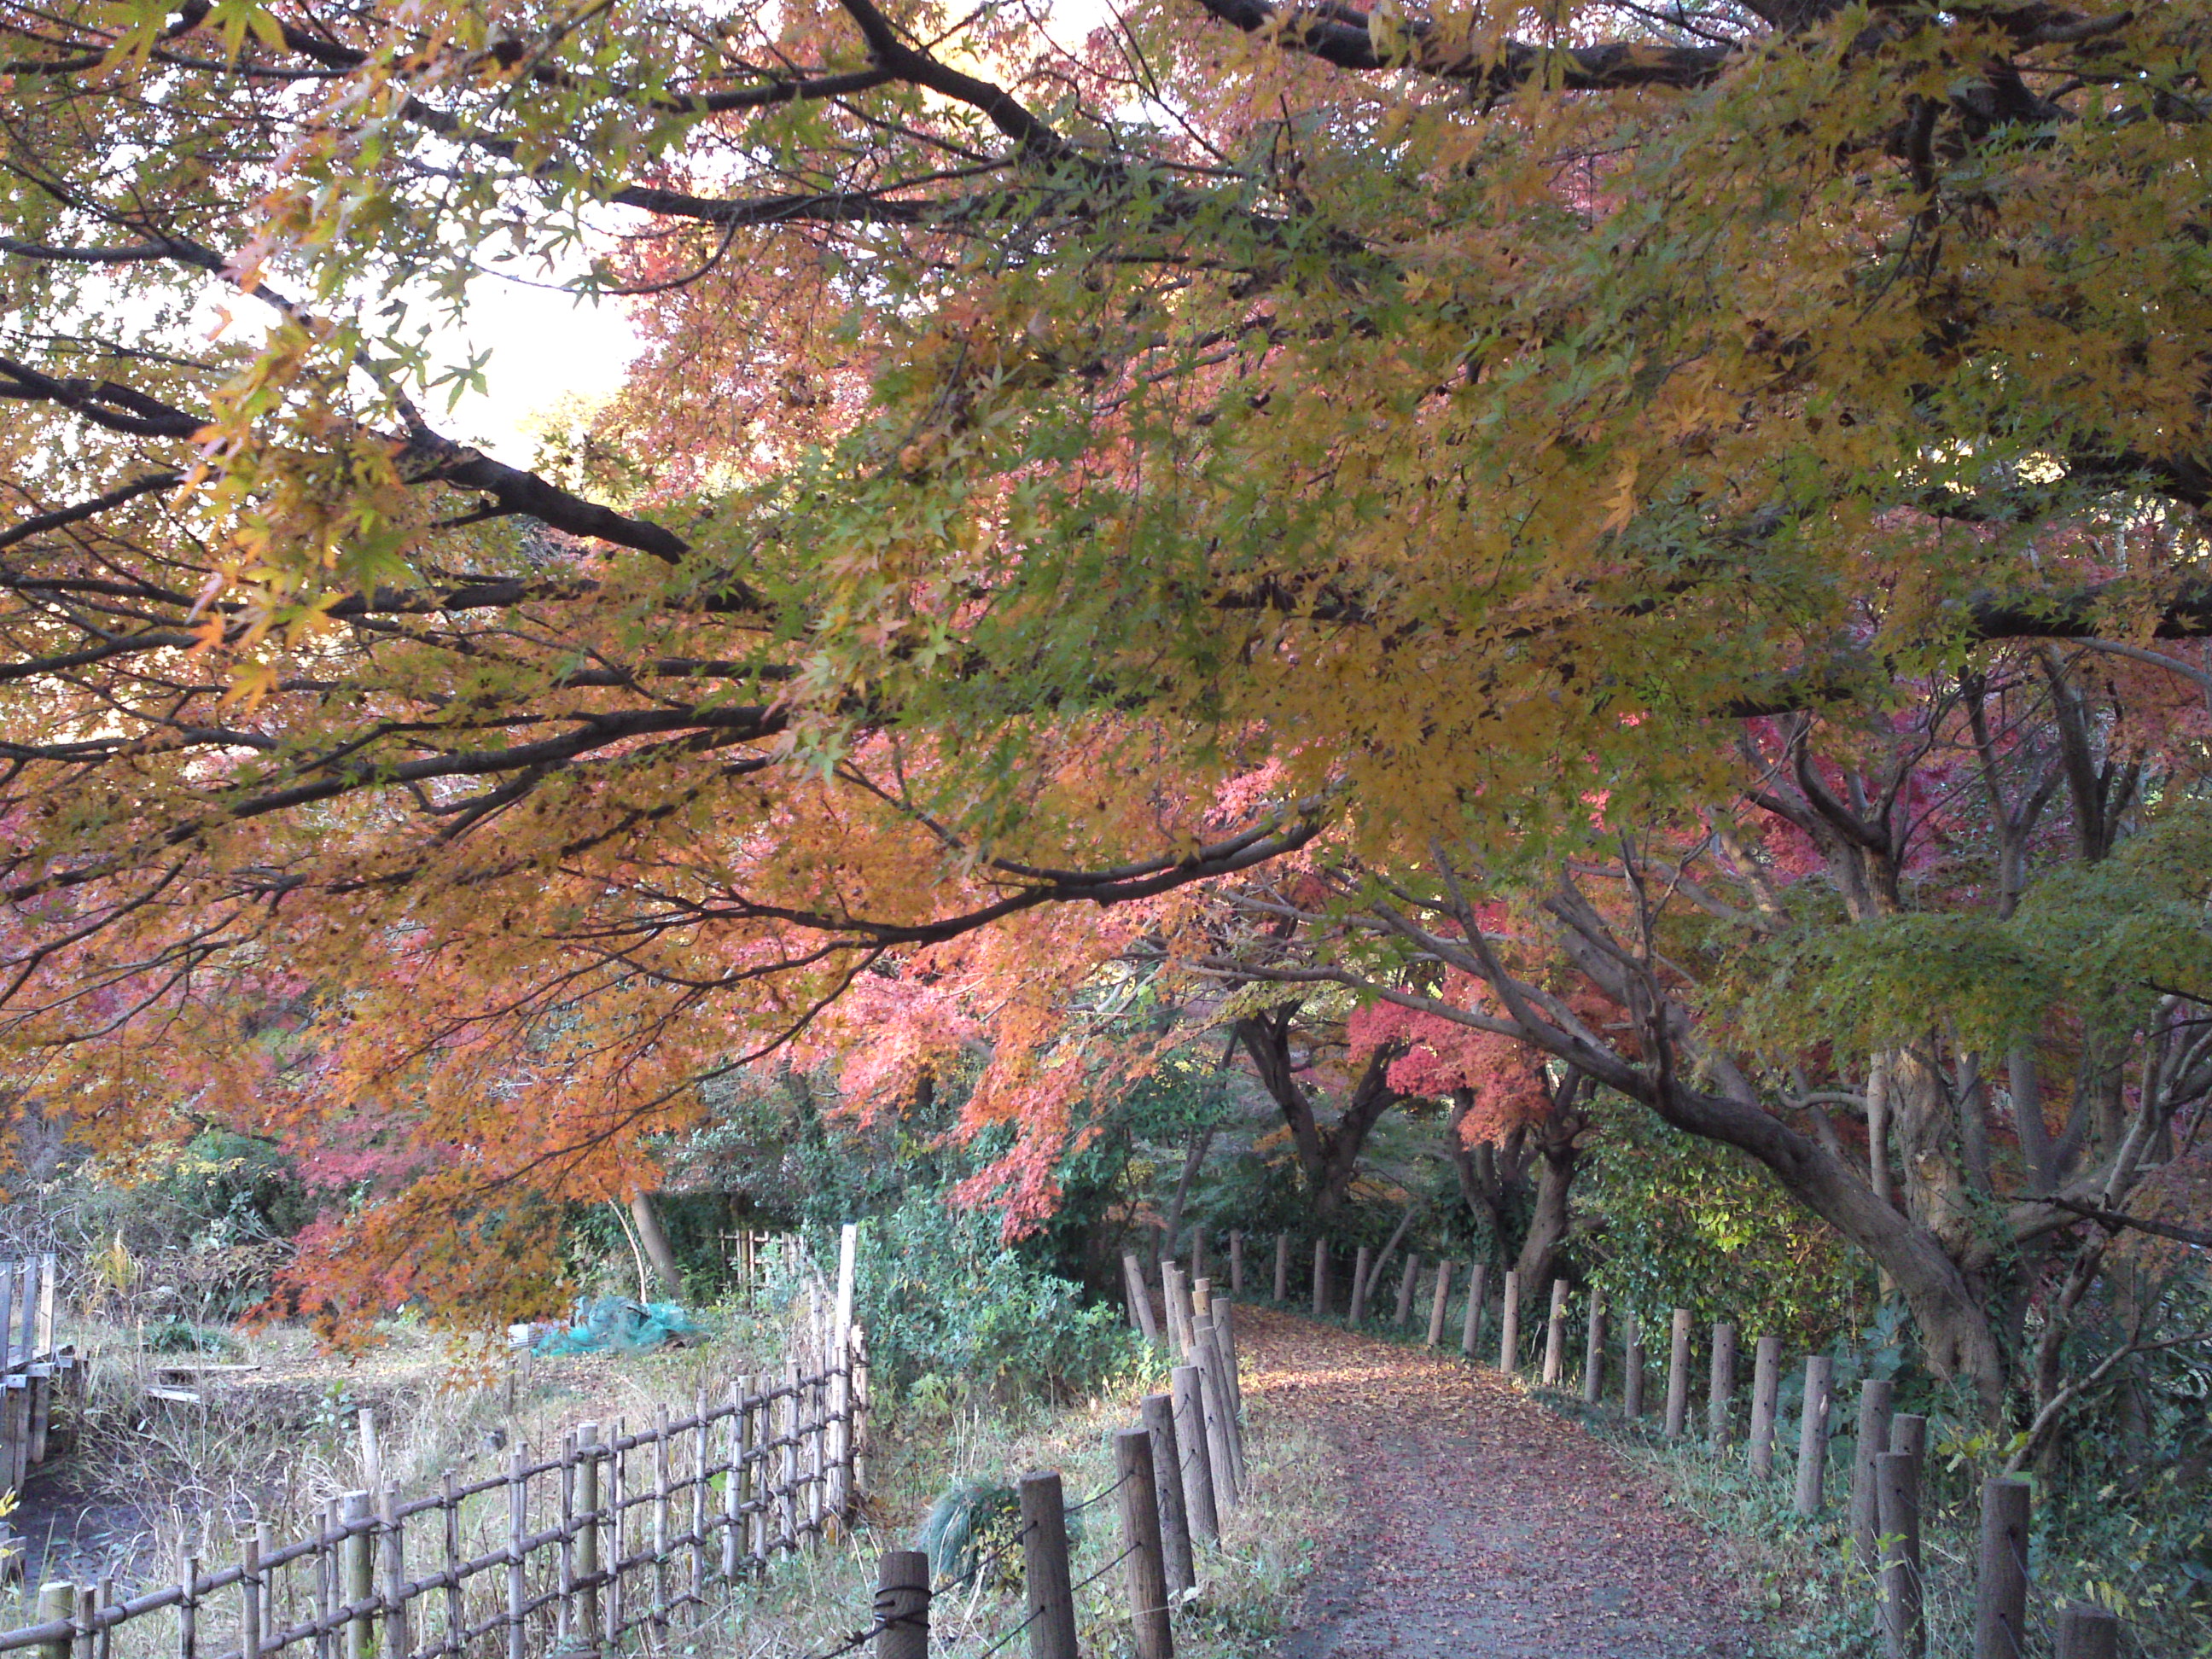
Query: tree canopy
[[1067, 466]]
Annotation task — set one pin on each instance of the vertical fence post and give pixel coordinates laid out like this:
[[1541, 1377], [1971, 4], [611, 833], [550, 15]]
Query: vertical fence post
[[1897, 1506], [1224, 1333], [2088, 1632], [1321, 1278], [1440, 1300], [1593, 1350], [1190, 1440], [1908, 1432], [1237, 1264], [1632, 1368], [1359, 1267], [1720, 1390], [1044, 1568], [457, 1622], [1555, 1336], [249, 1596], [1178, 1309], [358, 1517], [1282, 1268], [2001, 1590], [56, 1602], [1158, 1413], [584, 1631], [1198, 1252], [327, 1545], [733, 1489], [1406, 1288], [903, 1605], [1876, 1394], [1147, 1572], [518, 1537], [396, 1642], [1220, 1446], [1678, 1375], [1812, 1434], [1478, 1288], [1508, 1323], [1765, 1397], [1140, 1302], [188, 1610]]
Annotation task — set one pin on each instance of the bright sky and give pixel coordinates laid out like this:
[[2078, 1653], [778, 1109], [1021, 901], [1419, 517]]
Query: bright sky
[[548, 347], [545, 347]]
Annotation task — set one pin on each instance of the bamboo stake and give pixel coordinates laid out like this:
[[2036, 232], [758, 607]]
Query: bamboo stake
[[457, 1618], [701, 1452], [661, 1524], [396, 1642], [188, 1610], [518, 1532]]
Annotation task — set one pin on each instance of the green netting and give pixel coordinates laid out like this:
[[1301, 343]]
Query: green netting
[[615, 1324]]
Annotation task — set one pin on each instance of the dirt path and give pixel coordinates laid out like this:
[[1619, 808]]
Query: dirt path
[[1480, 1525]]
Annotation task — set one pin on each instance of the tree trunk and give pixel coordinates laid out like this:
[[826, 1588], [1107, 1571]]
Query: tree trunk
[[646, 1219]]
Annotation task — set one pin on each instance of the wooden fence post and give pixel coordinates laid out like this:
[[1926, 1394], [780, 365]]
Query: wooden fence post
[[1197, 1466], [1158, 1413], [1678, 1376], [1765, 1397], [1555, 1336], [1198, 1252], [587, 1630], [1720, 1391], [1405, 1289], [1439, 1301], [1221, 1446], [1176, 1295], [2000, 1589], [1140, 1305], [1508, 1323], [1897, 1506], [56, 1602], [1632, 1368], [1593, 1350], [1282, 1268], [357, 1515], [1321, 1278], [1477, 1287], [1359, 1267], [1876, 1394], [2088, 1632], [1147, 1572], [903, 1605], [1224, 1333], [1812, 1434], [1051, 1596], [1237, 1264]]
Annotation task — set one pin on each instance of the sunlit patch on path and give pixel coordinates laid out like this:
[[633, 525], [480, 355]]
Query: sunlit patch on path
[[1480, 1525]]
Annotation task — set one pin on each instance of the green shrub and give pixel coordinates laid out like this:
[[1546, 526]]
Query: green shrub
[[953, 1312]]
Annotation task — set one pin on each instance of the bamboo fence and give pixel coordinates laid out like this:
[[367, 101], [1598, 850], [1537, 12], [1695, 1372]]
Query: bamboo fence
[[612, 1541]]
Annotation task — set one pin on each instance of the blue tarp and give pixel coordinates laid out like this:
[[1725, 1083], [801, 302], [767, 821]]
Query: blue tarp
[[614, 1324]]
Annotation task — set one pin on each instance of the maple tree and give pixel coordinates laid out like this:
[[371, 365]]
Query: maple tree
[[1063, 470], [1937, 969]]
